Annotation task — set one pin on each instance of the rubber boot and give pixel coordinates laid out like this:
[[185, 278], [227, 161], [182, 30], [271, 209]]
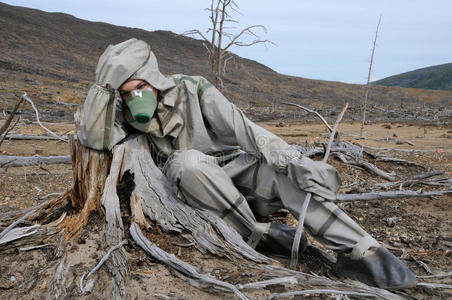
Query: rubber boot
[[380, 269], [279, 240]]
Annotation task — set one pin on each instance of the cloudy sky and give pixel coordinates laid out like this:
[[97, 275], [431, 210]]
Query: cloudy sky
[[328, 39]]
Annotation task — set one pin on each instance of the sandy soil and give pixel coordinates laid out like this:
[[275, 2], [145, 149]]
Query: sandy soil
[[422, 232]]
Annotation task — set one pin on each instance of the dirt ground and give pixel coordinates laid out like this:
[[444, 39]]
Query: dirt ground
[[420, 233]]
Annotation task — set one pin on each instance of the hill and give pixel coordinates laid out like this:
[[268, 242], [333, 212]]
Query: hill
[[437, 77], [52, 57]]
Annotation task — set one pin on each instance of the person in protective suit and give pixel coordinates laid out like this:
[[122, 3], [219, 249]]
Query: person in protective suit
[[219, 160]]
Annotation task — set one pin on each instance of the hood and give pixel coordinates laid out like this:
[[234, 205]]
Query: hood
[[131, 59]]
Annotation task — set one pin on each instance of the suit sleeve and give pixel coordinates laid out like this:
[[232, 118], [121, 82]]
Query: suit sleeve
[[230, 124], [234, 128], [101, 124]]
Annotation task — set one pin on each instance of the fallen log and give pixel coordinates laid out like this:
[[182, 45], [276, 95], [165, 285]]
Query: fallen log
[[397, 161], [362, 163], [389, 195], [30, 137], [19, 161]]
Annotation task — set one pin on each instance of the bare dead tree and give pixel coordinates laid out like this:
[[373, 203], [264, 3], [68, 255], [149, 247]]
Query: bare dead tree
[[217, 49], [366, 95]]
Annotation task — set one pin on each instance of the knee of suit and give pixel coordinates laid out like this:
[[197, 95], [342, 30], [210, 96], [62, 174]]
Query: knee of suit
[[190, 163]]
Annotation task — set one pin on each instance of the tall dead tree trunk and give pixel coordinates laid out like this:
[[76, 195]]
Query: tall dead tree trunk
[[366, 95], [217, 48]]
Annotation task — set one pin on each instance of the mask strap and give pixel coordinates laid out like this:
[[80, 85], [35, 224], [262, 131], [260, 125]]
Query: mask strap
[[109, 115]]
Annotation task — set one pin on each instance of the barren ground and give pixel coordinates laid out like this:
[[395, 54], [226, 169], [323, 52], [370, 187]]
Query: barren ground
[[422, 232]]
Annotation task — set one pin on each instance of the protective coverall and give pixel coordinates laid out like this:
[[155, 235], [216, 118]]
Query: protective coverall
[[219, 160]]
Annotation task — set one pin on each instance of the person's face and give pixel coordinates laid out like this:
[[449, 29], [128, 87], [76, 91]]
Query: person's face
[[134, 84]]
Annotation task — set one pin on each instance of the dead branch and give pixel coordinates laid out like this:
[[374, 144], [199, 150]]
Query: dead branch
[[448, 274], [59, 102], [359, 162], [25, 97], [49, 196], [184, 270], [311, 281], [18, 161], [435, 285], [318, 292], [10, 118], [30, 137], [89, 286], [427, 175], [35, 247], [218, 54], [27, 235], [419, 179], [312, 112], [8, 130], [397, 161], [4, 130], [389, 195], [20, 220], [399, 150], [304, 208], [61, 280]]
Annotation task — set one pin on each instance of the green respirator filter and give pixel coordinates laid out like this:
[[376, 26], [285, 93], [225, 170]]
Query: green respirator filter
[[142, 105]]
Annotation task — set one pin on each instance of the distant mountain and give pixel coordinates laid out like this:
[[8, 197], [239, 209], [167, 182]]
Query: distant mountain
[[434, 78], [53, 56]]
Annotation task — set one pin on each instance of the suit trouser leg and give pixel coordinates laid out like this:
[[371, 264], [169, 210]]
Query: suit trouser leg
[[203, 183], [360, 256], [267, 191]]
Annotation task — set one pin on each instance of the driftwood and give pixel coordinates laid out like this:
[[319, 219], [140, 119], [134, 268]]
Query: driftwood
[[19, 161]]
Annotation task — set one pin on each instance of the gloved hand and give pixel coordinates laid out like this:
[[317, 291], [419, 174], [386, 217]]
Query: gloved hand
[[316, 177]]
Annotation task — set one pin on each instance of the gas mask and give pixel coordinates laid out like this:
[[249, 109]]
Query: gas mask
[[142, 105]]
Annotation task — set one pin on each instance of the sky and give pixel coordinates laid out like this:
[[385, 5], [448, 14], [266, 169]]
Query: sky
[[323, 39]]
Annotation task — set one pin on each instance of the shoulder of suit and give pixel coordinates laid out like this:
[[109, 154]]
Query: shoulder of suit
[[198, 83]]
